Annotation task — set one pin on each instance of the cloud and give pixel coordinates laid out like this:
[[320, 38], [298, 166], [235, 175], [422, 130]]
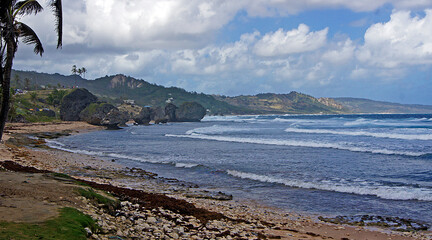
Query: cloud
[[297, 40], [341, 53], [175, 24], [404, 40], [268, 8], [173, 42]]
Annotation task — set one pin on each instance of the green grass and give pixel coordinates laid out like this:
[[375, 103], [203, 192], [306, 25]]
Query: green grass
[[69, 225], [108, 203]]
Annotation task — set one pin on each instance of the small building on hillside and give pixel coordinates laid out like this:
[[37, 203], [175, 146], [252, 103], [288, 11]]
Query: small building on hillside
[[129, 101]]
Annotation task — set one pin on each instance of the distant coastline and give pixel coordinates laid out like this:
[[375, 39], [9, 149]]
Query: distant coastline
[[115, 89]]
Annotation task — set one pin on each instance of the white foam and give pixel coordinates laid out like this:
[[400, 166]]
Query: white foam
[[186, 165], [56, 145], [100, 154], [363, 133], [217, 129], [296, 143], [54, 142], [362, 188]]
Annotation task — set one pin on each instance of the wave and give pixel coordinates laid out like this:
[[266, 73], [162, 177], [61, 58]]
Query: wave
[[295, 143], [217, 129], [386, 123], [363, 133], [186, 165], [381, 191], [61, 146]]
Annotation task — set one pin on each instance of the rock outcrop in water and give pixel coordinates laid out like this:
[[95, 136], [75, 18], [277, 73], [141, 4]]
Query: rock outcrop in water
[[190, 112], [143, 117], [103, 114], [73, 103], [187, 112], [394, 223]]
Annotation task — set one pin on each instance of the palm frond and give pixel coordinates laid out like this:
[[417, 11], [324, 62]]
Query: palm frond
[[28, 7], [29, 37], [4, 7], [56, 6]]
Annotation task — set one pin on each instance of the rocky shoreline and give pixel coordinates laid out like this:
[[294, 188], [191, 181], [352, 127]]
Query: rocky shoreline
[[145, 206]]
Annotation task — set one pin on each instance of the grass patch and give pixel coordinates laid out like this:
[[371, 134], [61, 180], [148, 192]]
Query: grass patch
[[62, 175], [69, 225], [107, 203]]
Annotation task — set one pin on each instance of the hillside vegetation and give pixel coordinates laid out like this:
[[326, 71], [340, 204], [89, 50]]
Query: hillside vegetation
[[37, 105], [293, 102], [115, 89], [361, 105]]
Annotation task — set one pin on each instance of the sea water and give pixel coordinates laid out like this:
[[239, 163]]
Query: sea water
[[317, 164]]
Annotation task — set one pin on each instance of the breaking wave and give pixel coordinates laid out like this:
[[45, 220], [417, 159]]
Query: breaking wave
[[296, 143], [363, 133], [381, 191], [61, 146], [217, 129]]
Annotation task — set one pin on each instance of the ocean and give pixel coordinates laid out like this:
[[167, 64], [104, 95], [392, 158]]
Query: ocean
[[377, 164]]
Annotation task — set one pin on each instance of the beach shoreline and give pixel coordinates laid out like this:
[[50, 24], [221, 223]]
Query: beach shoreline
[[286, 225]]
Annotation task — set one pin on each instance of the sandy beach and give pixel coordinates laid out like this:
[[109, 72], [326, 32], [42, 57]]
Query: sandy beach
[[236, 219]]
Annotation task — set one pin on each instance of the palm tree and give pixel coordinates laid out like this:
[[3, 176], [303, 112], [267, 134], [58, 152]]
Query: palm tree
[[11, 31], [79, 72], [74, 70], [83, 70]]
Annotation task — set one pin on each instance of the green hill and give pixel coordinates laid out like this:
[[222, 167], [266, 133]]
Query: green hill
[[361, 105], [116, 88], [294, 102]]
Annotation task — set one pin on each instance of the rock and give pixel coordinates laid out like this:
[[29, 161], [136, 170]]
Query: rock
[[114, 119], [88, 231], [151, 220], [173, 235], [19, 119], [73, 103], [170, 112], [158, 115], [95, 113], [143, 116], [104, 114], [131, 110], [190, 112]]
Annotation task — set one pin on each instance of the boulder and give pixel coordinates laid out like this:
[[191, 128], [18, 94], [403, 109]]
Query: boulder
[[19, 119], [158, 115], [170, 112], [95, 113], [143, 116], [114, 119], [73, 103], [190, 112], [104, 114]]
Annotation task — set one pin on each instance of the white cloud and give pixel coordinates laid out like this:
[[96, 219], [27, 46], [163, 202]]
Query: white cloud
[[297, 40], [341, 53], [172, 42], [267, 8], [404, 40]]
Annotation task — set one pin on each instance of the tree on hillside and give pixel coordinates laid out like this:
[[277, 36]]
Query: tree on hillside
[[26, 83], [74, 70], [79, 71], [17, 80], [83, 71], [11, 31], [33, 96]]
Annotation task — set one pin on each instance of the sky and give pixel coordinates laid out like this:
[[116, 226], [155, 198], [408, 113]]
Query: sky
[[376, 49]]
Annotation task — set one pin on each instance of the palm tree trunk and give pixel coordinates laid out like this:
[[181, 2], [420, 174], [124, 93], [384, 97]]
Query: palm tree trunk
[[6, 76]]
